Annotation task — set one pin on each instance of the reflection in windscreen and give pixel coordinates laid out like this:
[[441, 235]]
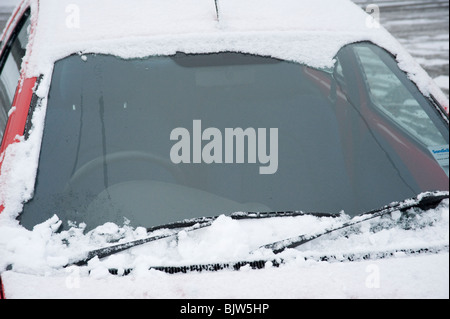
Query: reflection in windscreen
[[145, 140]]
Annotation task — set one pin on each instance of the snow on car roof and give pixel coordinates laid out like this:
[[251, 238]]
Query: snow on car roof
[[305, 31]]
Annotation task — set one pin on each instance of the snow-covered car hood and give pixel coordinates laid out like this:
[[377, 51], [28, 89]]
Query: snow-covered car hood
[[402, 277], [342, 264]]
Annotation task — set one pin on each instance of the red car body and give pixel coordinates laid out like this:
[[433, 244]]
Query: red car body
[[22, 99], [24, 93]]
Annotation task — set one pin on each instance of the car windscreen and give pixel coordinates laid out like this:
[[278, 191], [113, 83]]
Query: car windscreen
[[165, 138]]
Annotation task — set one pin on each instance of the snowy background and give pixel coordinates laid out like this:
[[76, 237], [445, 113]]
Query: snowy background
[[422, 26]]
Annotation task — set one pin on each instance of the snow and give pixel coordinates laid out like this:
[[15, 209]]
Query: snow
[[19, 168], [304, 31], [37, 258], [300, 280], [31, 260], [11, 3], [442, 81]]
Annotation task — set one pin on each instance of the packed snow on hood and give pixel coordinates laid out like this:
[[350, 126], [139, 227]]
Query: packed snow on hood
[[33, 262]]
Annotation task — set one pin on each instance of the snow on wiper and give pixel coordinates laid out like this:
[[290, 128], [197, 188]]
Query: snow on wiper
[[187, 225], [424, 202], [114, 249], [237, 216], [262, 264]]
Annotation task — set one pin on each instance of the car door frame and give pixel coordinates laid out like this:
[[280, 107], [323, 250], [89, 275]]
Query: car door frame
[[18, 117], [22, 99]]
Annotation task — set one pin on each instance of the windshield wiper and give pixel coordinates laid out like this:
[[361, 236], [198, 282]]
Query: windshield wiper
[[262, 264], [425, 201], [187, 225], [111, 250]]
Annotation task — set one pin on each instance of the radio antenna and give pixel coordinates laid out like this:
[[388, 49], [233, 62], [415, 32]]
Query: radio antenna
[[217, 9]]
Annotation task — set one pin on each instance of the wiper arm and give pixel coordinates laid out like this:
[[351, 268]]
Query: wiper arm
[[277, 262], [111, 250], [424, 201], [187, 225], [238, 216]]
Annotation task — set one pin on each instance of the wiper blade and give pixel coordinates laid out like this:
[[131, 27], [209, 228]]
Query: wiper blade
[[238, 216], [111, 250], [424, 201], [262, 264], [187, 225]]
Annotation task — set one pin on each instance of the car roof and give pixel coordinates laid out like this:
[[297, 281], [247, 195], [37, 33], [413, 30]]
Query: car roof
[[305, 31], [316, 30], [111, 18]]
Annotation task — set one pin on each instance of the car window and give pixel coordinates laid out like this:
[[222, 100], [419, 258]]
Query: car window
[[10, 65], [165, 138], [394, 100]]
